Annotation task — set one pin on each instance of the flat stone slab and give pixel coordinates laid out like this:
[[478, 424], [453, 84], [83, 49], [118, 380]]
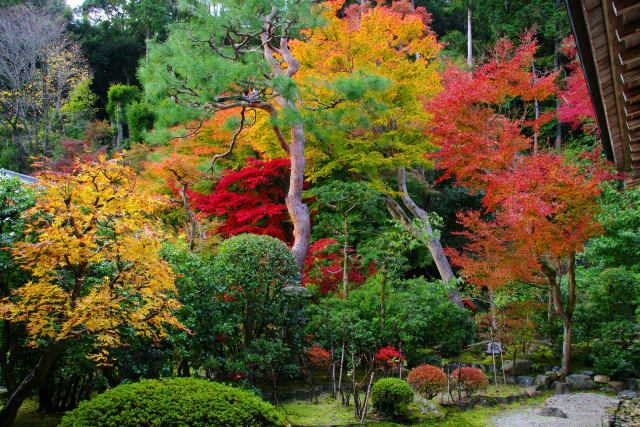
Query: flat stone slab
[[552, 412], [627, 394]]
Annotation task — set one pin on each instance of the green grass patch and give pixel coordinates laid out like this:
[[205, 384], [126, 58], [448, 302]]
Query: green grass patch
[[28, 416], [325, 412]]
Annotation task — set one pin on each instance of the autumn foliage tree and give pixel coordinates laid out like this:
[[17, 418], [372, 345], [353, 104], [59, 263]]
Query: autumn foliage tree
[[378, 132], [325, 264], [239, 59], [250, 200], [575, 101], [92, 253], [540, 209], [476, 133]]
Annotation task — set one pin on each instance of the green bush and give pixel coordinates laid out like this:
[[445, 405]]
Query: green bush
[[140, 117], [173, 402], [251, 260], [391, 396], [258, 284], [611, 361]]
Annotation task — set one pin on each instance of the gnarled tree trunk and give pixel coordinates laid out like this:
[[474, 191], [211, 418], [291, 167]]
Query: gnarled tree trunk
[[426, 234]]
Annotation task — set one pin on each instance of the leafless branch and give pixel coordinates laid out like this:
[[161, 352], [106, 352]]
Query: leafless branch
[[231, 145]]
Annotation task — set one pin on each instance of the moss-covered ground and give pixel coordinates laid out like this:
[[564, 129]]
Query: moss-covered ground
[[327, 412], [28, 416]]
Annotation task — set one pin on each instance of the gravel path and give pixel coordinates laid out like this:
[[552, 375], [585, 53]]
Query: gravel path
[[582, 409]]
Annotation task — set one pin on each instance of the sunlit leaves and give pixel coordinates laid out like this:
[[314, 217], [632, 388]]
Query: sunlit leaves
[[380, 63], [92, 219]]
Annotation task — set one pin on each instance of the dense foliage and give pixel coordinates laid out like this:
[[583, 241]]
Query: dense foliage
[[470, 380], [391, 396], [418, 177], [180, 401], [427, 380]]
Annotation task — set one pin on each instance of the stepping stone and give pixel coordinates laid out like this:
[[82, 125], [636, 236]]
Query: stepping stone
[[552, 412], [627, 394]]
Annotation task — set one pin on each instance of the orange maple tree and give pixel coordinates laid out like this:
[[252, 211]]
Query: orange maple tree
[[470, 121], [540, 209], [93, 254]]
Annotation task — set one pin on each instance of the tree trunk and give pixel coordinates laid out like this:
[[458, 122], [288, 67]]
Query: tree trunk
[[345, 261], [298, 211], [536, 108], [34, 379], [366, 399], [119, 125], [341, 366], [565, 313], [400, 361], [382, 292], [493, 359], [356, 402], [433, 243], [333, 372], [469, 38]]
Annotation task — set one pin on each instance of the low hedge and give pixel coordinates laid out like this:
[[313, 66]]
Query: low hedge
[[173, 402]]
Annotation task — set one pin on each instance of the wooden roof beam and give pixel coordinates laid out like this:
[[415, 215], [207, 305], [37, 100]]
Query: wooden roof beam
[[623, 6], [631, 95], [629, 56], [627, 30], [629, 76], [633, 124], [632, 110]]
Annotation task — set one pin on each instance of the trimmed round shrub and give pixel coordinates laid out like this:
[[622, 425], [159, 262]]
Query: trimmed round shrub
[[251, 260], [427, 380], [471, 379], [391, 396], [173, 402]]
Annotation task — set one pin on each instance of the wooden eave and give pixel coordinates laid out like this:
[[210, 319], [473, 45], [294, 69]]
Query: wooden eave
[[607, 34]]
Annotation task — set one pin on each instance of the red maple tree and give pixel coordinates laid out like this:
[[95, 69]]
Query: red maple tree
[[575, 106], [470, 123], [250, 200], [540, 209], [323, 267]]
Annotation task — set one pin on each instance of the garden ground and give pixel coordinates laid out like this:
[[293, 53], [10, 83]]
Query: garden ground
[[582, 409]]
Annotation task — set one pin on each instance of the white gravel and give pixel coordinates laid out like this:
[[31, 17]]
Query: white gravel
[[582, 409]]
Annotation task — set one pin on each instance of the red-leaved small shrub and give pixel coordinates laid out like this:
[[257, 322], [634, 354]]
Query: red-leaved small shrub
[[389, 357], [427, 380], [471, 379], [318, 357]]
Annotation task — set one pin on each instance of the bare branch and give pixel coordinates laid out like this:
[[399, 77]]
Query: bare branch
[[231, 145], [195, 131], [323, 106]]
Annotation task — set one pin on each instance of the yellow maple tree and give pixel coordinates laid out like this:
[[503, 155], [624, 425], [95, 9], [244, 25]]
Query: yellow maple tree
[[365, 77], [93, 253]]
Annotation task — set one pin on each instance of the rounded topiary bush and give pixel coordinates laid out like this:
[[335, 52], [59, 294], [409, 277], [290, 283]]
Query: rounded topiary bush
[[173, 402], [470, 379], [251, 260], [427, 380], [391, 396]]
